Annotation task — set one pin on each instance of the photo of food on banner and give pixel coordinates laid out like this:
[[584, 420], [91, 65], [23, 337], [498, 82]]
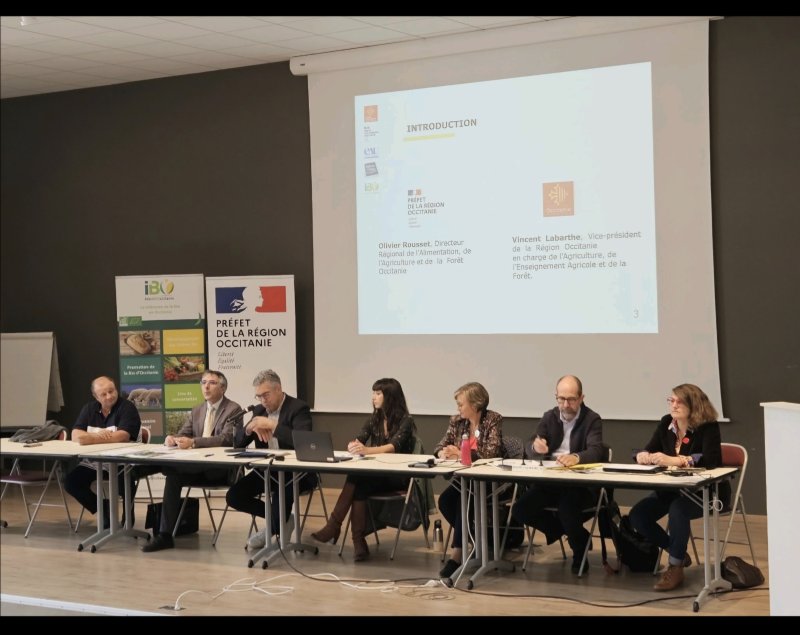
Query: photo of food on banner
[[184, 368], [139, 343]]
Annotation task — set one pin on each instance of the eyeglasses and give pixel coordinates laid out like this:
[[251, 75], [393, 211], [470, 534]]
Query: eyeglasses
[[263, 396], [209, 382], [674, 401], [569, 400]]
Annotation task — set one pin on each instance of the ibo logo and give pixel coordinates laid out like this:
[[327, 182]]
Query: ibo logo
[[157, 287]]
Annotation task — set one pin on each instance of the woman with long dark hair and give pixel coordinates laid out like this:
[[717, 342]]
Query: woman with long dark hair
[[389, 429]]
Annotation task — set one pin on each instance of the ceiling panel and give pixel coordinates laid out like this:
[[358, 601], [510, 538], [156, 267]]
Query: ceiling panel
[[42, 54]]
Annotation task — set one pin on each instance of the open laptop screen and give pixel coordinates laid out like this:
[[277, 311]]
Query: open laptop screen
[[310, 445]]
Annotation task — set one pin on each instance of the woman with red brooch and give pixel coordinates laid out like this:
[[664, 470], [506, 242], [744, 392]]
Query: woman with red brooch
[[687, 437]]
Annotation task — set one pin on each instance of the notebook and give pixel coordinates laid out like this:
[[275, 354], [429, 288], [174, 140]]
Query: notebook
[[632, 468], [316, 446]]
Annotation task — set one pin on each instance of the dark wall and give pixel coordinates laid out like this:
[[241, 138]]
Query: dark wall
[[211, 174], [196, 174]]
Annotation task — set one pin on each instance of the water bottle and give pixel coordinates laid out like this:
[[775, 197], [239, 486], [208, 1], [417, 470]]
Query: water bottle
[[438, 536], [466, 452]]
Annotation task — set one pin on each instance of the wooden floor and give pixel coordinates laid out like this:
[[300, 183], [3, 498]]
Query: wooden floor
[[202, 580]]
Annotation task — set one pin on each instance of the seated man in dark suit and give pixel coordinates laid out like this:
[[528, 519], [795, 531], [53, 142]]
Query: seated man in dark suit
[[211, 424], [572, 433], [279, 415]]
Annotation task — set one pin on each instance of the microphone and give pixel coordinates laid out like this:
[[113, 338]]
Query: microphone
[[256, 409], [428, 463]]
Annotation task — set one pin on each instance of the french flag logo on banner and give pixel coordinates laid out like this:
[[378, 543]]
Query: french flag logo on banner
[[273, 300]]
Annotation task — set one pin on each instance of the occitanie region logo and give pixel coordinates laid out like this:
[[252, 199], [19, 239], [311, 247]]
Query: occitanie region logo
[[370, 114], [558, 199]]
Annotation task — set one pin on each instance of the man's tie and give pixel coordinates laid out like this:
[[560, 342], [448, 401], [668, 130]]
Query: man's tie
[[208, 426]]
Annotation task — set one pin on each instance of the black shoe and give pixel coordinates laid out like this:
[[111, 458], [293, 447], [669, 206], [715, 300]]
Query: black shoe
[[161, 541], [551, 538], [576, 566], [577, 558], [449, 568]]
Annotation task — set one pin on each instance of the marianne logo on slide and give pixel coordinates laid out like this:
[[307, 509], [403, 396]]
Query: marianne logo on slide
[[370, 114], [558, 199], [260, 299]]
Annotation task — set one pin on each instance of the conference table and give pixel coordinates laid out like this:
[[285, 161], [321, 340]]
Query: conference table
[[398, 465], [58, 452], [116, 456], [701, 487], [282, 462]]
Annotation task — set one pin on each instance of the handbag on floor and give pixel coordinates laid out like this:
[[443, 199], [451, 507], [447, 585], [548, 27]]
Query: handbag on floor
[[634, 550], [190, 520], [740, 573]]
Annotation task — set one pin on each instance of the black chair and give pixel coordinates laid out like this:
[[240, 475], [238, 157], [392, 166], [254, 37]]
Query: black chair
[[733, 455], [599, 516], [513, 448], [310, 491], [43, 479], [414, 495]]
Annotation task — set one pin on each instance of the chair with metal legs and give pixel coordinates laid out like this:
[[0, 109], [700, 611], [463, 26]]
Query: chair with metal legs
[[43, 478], [605, 495], [733, 455], [207, 497], [512, 449], [144, 437], [317, 488], [414, 494]]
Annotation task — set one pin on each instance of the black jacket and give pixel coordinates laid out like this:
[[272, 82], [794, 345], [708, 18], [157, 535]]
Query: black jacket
[[703, 440], [586, 439], [295, 415]]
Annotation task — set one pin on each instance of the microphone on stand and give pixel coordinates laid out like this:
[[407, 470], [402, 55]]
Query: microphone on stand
[[238, 435], [535, 453], [256, 409]]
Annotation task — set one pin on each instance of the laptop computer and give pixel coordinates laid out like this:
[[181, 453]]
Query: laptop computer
[[315, 446], [632, 468]]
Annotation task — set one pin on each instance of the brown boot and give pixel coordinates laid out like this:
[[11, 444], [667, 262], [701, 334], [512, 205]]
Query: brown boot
[[358, 520], [671, 579], [330, 532]]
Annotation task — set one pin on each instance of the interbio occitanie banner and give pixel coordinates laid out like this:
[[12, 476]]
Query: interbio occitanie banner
[[162, 347]]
